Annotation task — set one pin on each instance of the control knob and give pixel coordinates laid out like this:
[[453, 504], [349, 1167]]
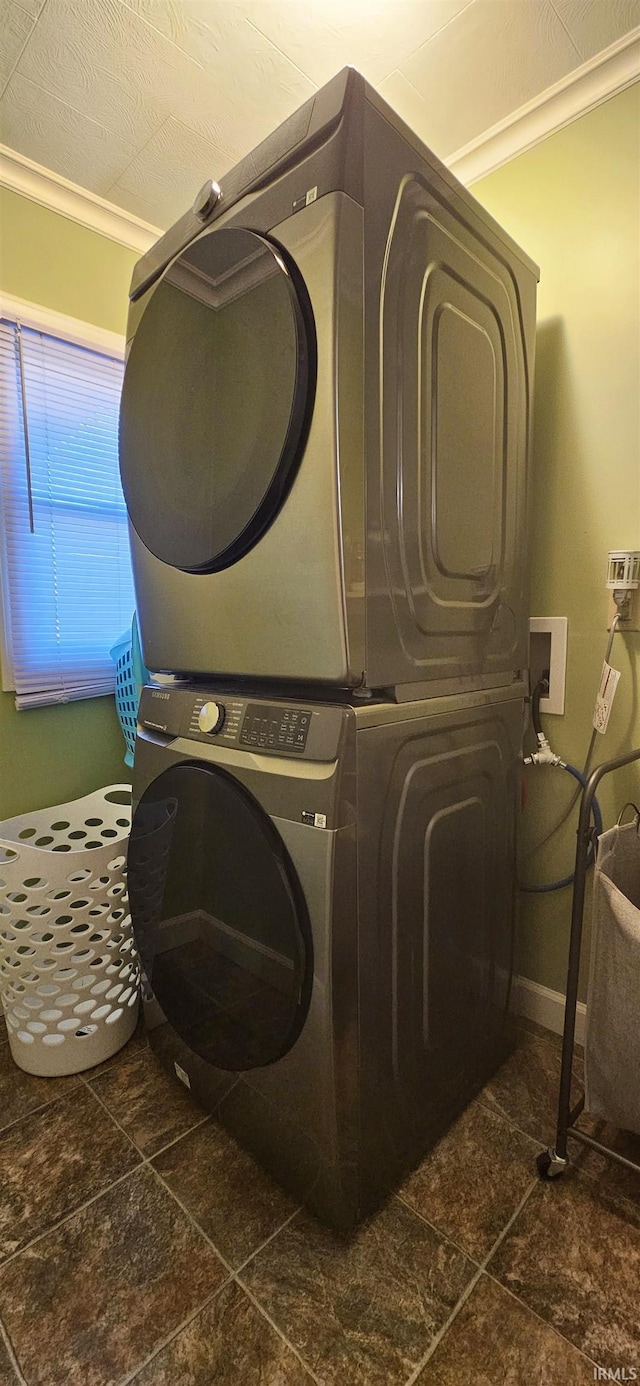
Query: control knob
[[208, 198], [211, 718]]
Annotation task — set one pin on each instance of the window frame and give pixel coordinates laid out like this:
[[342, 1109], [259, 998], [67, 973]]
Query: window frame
[[78, 333]]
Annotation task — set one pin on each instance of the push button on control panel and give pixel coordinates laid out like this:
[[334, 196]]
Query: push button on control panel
[[275, 728]]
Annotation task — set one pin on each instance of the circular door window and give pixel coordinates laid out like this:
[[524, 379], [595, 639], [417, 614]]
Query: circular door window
[[216, 400], [219, 918]]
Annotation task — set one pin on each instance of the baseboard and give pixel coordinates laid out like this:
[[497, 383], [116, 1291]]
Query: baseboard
[[539, 1003]]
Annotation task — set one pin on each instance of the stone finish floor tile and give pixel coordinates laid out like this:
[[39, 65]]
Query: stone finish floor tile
[[151, 1106], [229, 1343], [236, 1203], [472, 1183], [133, 1046], [573, 1255], [55, 1160], [531, 1027], [360, 1309], [495, 1339], [525, 1088], [555, 1040], [21, 1093], [7, 1374], [89, 1302], [609, 1176]]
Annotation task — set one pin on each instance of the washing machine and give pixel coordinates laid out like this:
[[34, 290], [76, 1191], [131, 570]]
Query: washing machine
[[325, 418], [322, 897]]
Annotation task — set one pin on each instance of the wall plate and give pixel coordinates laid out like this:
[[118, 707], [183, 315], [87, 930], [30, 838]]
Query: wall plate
[[548, 650]]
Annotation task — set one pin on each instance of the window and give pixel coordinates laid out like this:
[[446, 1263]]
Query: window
[[66, 577]]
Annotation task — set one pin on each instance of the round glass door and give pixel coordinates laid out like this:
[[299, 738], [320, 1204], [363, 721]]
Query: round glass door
[[219, 918], [216, 400]]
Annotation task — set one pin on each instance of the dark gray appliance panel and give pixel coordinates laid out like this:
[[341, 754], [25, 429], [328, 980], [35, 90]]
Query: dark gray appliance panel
[[298, 1113], [217, 396], [449, 358], [436, 905], [219, 917], [279, 609]]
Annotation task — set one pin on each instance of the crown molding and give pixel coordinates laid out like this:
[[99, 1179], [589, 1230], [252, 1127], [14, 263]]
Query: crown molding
[[56, 193], [573, 96], [580, 91], [56, 324]]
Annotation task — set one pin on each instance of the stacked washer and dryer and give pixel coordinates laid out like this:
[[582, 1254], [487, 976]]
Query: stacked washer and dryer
[[324, 438]]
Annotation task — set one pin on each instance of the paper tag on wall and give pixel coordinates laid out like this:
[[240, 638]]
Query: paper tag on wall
[[606, 695]]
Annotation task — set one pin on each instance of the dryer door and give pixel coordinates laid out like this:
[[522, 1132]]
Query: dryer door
[[216, 401], [219, 918]]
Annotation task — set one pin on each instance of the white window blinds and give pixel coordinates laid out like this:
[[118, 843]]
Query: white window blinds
[[66, 575]]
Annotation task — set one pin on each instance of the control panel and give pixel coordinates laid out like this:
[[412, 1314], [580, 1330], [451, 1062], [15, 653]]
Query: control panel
[[275, 727], [224, 719]]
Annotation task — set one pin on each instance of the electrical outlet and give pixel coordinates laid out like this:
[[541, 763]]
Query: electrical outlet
[[630, 613]]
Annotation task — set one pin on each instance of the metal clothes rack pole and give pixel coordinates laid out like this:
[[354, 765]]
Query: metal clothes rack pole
[[554, 1161]]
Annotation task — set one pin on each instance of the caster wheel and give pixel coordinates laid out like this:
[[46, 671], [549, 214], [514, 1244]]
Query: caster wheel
[[549, 1165]]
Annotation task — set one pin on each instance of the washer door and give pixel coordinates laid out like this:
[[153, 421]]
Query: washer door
[[219, 918], [216, 401]]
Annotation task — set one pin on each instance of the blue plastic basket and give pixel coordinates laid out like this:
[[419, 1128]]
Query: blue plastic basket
[[131, 677]]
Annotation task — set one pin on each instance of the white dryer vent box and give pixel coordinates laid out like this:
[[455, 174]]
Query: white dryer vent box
[[548, 650]]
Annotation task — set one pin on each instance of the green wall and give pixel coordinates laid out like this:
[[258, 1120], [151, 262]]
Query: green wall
[[573, 202], [52, 754]]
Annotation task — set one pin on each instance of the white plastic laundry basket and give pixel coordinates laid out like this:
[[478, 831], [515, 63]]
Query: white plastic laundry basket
[[69, 975]]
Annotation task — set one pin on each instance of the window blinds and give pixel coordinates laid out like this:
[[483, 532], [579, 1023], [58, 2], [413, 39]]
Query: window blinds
[[66, 575]]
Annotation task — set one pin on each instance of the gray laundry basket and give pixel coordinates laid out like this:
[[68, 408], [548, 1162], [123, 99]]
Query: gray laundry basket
[[612, 1047], [69, 974]]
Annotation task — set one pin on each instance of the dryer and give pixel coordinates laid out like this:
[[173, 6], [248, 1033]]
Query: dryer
[[325, 418], [322, 897]]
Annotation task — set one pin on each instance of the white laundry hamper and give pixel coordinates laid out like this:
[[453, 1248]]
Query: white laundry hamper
[[612, 1045], [69, 974]]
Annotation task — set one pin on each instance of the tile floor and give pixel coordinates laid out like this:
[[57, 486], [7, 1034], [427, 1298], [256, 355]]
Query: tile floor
[[138, 1243]]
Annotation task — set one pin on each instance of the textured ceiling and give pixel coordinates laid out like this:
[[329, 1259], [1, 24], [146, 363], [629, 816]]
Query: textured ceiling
[[143, 100]]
